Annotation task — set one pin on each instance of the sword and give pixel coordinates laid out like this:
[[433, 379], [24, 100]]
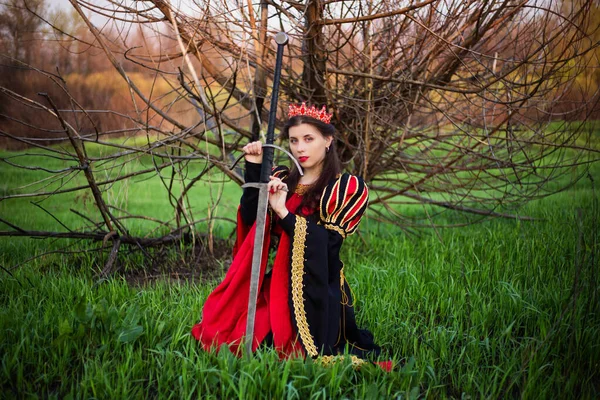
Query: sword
[[263, 197]]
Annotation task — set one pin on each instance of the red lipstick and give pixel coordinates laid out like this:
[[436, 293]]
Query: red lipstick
[[303, 158]]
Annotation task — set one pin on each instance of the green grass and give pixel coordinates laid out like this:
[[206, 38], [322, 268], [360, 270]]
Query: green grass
[[145, 194], [498, 309]]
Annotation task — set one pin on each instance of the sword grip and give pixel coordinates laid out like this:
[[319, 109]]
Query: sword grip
[[267, 163]]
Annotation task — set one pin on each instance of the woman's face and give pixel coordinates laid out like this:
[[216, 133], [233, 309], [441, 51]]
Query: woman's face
[[308, 145]]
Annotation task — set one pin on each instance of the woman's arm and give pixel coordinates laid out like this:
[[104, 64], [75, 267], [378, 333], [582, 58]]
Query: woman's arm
[[249, 200]]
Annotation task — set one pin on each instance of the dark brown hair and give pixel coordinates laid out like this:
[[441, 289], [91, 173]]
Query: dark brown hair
[[331, 164]]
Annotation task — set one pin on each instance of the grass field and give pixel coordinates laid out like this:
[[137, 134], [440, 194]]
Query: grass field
[[498, 309]]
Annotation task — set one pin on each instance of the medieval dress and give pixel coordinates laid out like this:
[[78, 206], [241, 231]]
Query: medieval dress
[[304, 302]]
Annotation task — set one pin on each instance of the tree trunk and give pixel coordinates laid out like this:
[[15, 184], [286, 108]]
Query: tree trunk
[[313, 74]]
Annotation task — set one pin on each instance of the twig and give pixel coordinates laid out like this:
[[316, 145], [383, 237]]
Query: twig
[[85, 166], [108, 268], [52, 215]]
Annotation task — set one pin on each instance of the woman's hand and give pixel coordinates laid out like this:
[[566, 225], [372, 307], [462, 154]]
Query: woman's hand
[[277, 196], [253, 152]]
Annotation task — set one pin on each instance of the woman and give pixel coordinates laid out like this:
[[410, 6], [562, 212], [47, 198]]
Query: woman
[[304, 303]]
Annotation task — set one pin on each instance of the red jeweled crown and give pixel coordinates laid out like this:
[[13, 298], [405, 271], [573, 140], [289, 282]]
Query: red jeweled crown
[[321, 115]]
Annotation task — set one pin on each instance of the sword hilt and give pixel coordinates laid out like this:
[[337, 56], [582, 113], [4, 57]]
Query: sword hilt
[[274, 146], [258, 185], [267, 161]]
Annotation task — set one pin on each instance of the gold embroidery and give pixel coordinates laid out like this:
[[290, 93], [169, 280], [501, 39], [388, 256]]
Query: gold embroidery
[[345, 299], [346, 302], [302, 189], [297, 293], [357, 362], [327, 361], [336, 228]]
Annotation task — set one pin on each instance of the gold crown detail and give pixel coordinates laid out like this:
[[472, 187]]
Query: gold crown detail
[[321, 115]]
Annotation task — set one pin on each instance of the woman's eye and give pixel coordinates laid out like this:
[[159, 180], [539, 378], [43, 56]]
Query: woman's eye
[[309, 139], [293, 140]]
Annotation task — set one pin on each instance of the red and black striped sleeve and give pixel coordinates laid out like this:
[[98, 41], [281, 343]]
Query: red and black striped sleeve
[[343, 204]]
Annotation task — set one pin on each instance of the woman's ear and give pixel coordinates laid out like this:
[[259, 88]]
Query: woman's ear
[[329, 140]]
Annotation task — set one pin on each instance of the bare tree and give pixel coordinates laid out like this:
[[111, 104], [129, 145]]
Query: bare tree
[[19, 25], [458, 105]]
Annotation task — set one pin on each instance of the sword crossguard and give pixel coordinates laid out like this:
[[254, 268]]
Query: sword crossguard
[[258, 185], [274, 146]]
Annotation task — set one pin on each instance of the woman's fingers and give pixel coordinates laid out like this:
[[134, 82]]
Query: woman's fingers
[[253, 148], [253, 152], [277, 197], [276, 184]]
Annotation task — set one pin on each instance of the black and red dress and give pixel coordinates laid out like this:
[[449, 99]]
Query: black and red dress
[[304, 303]]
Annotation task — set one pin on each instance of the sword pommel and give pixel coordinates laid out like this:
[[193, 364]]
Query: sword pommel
[[281, 39]]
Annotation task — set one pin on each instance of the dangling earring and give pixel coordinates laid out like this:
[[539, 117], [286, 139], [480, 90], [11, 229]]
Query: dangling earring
[[327, 151]]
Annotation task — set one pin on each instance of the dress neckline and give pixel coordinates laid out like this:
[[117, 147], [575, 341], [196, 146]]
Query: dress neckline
[[302, 188]]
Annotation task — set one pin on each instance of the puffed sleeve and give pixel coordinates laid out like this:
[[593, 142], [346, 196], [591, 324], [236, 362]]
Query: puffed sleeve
[[343, 204], [249, 200]]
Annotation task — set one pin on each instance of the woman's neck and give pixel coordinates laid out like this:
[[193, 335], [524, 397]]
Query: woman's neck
[[310, 175]]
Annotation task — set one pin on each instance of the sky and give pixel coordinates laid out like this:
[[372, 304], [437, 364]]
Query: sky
[[64, 4]]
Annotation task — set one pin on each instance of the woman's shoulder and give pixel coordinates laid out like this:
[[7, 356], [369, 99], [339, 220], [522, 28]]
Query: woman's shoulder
[[345, 185], [344, 201]]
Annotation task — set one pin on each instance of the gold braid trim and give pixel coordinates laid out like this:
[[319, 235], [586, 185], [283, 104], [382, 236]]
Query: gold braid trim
[[345, 299], [297, 292], [327, 361], [302, 189], [336, 228]]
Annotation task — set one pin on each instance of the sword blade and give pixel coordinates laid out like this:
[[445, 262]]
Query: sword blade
[[259, 235]]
